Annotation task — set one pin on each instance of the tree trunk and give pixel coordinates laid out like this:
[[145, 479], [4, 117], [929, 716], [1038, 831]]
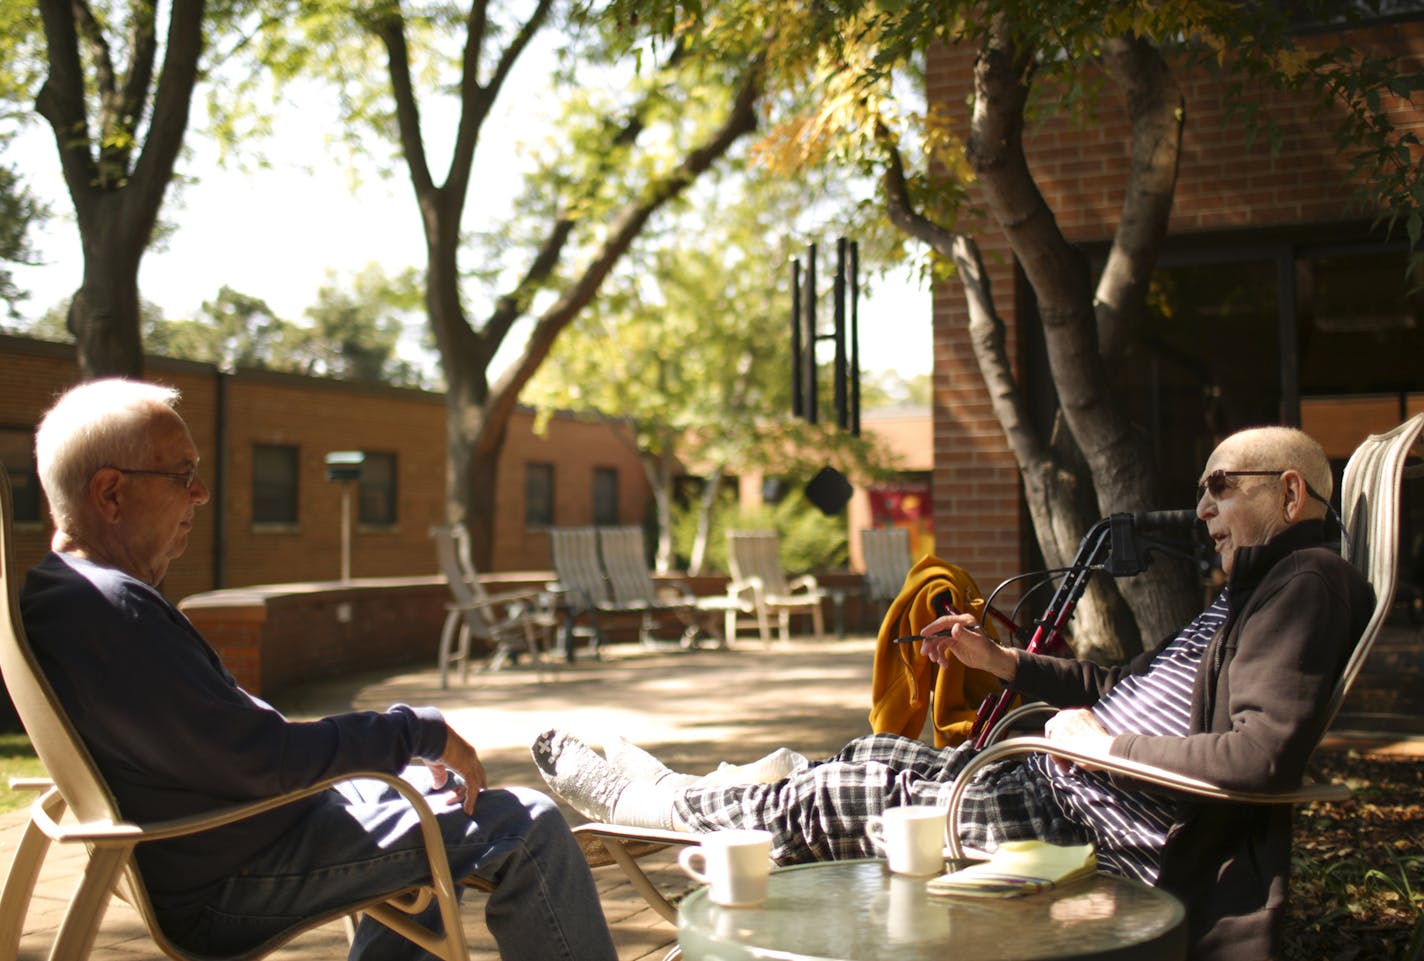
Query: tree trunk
[[116, 194], [104, 314], [1162, 598], [706, 503]]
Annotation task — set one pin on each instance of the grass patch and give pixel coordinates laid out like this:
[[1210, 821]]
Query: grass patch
[[17, 759]]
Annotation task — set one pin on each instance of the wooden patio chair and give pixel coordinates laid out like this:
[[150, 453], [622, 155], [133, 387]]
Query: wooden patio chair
[[632, 588], [510, 622], [108, 839], [1369, 506], [887, 563], [758, 578]]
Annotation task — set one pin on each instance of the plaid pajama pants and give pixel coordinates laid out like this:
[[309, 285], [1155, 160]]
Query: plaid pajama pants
[[818, 813]]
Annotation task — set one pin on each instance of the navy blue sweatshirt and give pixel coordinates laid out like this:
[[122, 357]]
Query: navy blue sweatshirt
[[172, 732]]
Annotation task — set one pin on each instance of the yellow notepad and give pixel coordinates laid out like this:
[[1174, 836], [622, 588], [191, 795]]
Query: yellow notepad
[[1018, 868]]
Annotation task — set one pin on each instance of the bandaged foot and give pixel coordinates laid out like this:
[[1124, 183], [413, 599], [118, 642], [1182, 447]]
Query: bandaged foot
[[597, 789], [774, 767], [639, 765]]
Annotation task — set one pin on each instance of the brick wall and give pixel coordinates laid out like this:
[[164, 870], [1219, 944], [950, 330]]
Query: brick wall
[[319, 416], [1225, 183]]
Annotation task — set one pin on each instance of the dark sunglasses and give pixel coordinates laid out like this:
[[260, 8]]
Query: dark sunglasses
[[1216, 481]]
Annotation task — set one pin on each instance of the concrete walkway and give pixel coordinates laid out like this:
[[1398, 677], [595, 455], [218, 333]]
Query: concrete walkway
[[692, 709]]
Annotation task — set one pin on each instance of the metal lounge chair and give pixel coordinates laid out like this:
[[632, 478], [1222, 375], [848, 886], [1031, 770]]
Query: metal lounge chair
[[1369, 505], [581, 589], [585, 589], [887, 562], [509, 622], [757, 576], [99, 828], [632, 587]]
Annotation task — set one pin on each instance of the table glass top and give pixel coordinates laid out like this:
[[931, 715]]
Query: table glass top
[[858, 911]]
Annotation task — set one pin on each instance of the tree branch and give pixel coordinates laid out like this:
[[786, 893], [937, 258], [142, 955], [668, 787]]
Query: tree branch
[[171, 103], [741, 119], [511, 306], [129, 102], [1156, 112], [391, 31], [61, 100], [987, 331]]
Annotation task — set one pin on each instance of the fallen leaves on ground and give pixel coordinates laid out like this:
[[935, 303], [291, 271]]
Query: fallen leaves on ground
[[1357, 893]]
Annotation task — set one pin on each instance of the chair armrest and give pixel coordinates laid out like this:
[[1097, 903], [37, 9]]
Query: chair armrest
[[1006, 723], [751, 585], [1148, 774], [806, 582], [517, 597], [125, 833], [677, 590], [571, 599]]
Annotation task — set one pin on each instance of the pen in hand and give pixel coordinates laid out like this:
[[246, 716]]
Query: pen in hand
[[911, 638]]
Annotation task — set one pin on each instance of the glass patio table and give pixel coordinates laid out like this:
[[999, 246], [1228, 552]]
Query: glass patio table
[[859, 911]]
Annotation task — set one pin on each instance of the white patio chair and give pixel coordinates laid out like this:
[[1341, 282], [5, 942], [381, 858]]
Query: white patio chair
[[887, 563], [757, 576]]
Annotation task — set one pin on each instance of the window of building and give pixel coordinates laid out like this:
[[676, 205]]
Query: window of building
[[605, 496], [538, 495], [17, 453], [376, 491], [274, 484]]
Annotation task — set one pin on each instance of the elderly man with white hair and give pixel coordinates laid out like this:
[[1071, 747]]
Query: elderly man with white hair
[[1236, 697], [174, 735]]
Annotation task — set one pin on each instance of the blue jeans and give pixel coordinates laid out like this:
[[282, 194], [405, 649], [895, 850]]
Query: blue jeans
[[365, 841]]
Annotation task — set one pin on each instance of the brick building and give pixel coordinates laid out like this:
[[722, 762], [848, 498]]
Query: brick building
[[275, 518], [1277, 301]]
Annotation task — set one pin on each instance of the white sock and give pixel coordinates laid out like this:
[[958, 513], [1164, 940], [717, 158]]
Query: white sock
[[638, 764], [774, 767]]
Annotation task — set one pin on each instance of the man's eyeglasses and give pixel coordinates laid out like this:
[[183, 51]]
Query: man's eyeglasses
[[1216, 481], [184, 479]]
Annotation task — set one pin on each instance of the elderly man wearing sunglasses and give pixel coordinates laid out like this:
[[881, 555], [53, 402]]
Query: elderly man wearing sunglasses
[[1235, 697]]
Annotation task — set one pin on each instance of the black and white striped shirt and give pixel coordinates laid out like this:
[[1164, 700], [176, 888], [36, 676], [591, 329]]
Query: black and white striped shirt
[[1129, 827]]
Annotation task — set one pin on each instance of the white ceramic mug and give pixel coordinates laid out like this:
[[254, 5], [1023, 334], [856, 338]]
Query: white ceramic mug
[[911, 837], [733, 864]]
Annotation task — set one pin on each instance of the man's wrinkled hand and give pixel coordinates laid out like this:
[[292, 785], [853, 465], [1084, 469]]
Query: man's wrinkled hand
[[1079, 729], [459, 758], [959, 637]]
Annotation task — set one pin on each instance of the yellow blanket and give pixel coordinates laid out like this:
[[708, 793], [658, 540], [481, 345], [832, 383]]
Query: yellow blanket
[[900, 691]]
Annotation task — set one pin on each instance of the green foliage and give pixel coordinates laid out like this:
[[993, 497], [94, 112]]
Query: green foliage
[[352, 334], [839, 79], [808, 539], [19, 212], [689, 340], [18, 760]]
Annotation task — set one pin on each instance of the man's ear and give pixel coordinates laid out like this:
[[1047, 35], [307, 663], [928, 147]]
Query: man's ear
[[1294, 495], [104, 493]]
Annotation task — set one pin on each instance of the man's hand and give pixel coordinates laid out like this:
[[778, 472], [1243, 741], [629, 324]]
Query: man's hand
[[960, 635], [1079, 729], [459, 758]]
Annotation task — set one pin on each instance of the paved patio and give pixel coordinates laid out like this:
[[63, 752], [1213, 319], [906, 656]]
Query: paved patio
[[693, 709]]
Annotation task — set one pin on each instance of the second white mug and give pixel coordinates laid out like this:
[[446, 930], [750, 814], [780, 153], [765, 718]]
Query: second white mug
[[911, 837]]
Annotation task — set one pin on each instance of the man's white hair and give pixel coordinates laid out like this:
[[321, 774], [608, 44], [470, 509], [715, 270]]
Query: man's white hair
[[97, 424]]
